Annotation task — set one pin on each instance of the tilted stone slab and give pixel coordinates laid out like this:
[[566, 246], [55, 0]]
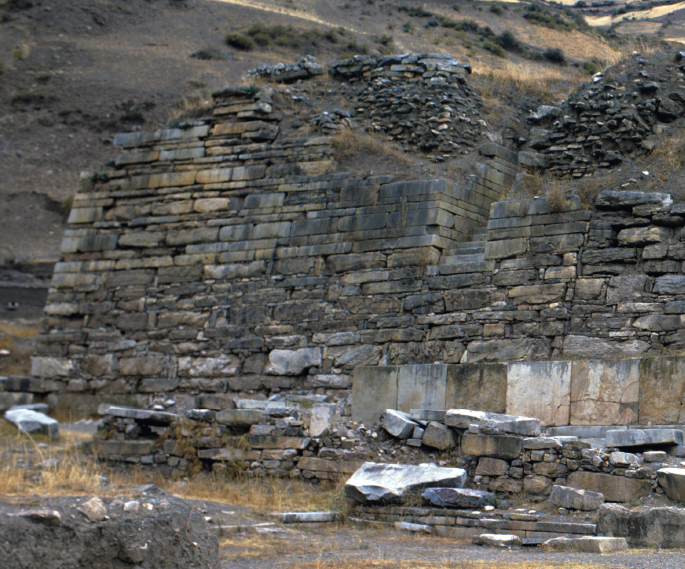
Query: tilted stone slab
[[463, 418], [672, 480], [439, 436], [652, 527], [575, 499], [587, 544], [30, 422], [375, 482], [458, 497], [627, 438], [143, 415], [398, 423]]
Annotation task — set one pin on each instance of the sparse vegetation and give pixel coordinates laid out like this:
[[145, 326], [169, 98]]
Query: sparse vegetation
[[508, 41], [496, 9], [494, 48], [238, 41], [555, 55], [27, 99]]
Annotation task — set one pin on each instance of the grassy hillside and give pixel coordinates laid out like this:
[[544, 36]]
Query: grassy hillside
[[73, 73]]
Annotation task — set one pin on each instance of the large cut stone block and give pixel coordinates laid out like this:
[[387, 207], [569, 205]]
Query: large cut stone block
[[587, 544], [239, 417], [662, 391], [374, 482], [589, 347], [421, 387], [497, 446], [458, 497], [605, 392], [462, 418], [614, 488], [672, 480], [439, 436], [479, 386], [541, 390], [374, 389], [398, 423], [653, 527], [32, 422], [575, 499], [627, 438]]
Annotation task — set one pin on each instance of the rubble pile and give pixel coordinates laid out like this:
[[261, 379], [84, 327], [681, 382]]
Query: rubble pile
[[420, 100], [614, 117]]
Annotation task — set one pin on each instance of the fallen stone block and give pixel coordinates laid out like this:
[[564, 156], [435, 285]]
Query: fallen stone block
[[33, 422], [496, 540], [463, 418], [650, 527], [587, 544], [537, 443], [458, 497], [626, 438], [624, 459], [427, 415], [654, 456], [439, 436], [408, 526], [143, 415], [575, 499], [398, 423], [672, 480], [614, 488], [305, 517], [373, 482]]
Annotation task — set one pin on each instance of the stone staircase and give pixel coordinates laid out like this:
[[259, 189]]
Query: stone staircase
[[468, 257]]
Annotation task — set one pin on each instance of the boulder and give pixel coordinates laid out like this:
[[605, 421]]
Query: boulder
[[627, 438], [33, 422], [463, 418], [575, 499], [587, 544], [439, 436], [292, 362], [458, 497], [624, 459], [672, 480], [373, 482], [398, 423], [650, 527]]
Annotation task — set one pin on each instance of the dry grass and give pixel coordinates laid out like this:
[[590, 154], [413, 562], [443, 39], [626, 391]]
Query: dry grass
[[192, 106], [669, 155], [18, 340], [457, 564], [527, 79], [349, 145]]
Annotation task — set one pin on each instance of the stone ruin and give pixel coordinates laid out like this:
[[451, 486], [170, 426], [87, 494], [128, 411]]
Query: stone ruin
[[227, 297]]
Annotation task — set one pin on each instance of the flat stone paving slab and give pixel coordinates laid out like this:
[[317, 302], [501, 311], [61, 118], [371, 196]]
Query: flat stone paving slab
[[587, 544]]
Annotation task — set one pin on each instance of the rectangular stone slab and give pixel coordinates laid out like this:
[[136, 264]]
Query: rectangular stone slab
[[478, 386], [421, 387], [662, 386], [497, 446], [374, 389], [540, 389], [614, 488], [643, 437], [462, 418]]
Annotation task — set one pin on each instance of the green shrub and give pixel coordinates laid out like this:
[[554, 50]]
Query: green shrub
[[591, 67], [509, 41], [555, 55], [431, 24], [238, 41], [331, 36], [496, 9], [456, 7], [385, 40], [17, 53], [408, 27], [495, 49], [540, 16], [420, 12]]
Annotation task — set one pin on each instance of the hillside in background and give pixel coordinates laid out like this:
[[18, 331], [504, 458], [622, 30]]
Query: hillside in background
[[76, 72]]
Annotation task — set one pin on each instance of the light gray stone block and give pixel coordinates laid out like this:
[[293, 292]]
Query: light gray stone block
[[463, 418], [672, 480], [398, 423], [575, 499], [627, 438]]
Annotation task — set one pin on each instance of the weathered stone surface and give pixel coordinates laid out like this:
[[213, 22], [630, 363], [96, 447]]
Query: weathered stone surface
[[541, 390], [604, 392], [374, 482], [293, 362], [587, 544], [491, 466], [239, 417], [610, 198], [651, 527], [644, 236], [628, 438], [497, 446], [662, 387], [669, 285], [32, 422], [481, 387], [463, 418], [439, 436], [142, 415], [458, 497], [575, 499], [397, 423], [672, 480], [537, 485], [421, 387], [506, 350], [51, 367], [624, 459], [588, 347], [222, 366], [374, 390], [614, 488]]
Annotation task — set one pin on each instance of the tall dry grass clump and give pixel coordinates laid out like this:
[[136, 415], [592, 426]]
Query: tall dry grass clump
[[349, 144]]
